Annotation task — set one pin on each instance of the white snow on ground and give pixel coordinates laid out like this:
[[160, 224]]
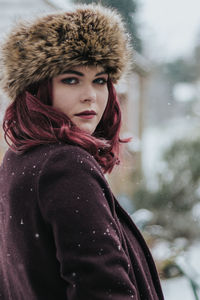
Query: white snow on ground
[[154, 142], [180, 288]]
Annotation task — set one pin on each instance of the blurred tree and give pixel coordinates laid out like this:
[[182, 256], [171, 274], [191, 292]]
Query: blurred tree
[[181, 70], [128, 9], [178, 191], [197, 58], [184, 69]]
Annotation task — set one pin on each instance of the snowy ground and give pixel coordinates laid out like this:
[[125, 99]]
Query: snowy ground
[[180, 288], [188, 262], [154, 141], [175, 289]]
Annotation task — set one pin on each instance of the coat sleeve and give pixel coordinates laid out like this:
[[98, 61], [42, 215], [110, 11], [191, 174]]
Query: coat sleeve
[[73, 200]]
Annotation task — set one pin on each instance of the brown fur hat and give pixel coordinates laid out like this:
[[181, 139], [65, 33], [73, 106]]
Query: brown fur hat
[[89, 35]]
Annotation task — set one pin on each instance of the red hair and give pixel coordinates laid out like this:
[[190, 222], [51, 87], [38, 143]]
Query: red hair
[[31, 120]]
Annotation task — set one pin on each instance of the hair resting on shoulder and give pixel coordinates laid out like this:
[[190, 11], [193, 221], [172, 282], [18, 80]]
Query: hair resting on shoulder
[[31, 121]]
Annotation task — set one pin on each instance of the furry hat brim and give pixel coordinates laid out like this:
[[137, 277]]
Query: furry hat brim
[[89, 35]]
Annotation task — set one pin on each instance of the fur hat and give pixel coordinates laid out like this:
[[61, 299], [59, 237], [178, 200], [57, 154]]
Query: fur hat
[[89, 35]]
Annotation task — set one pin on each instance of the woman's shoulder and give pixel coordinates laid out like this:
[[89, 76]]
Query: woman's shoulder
[[64, 151], [58, 154], [60, 160], [64, 155], [47, 151]]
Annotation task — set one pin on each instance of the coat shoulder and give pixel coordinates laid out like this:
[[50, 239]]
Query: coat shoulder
[[43, 153], [69, 155], [51, 157]]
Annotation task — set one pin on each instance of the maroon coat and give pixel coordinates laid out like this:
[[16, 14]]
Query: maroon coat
[[63, 235]]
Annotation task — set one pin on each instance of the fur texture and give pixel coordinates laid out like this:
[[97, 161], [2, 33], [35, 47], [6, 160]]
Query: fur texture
[[89, 35]]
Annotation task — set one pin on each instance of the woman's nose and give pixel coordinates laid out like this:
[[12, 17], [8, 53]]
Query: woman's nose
[[88, 94]]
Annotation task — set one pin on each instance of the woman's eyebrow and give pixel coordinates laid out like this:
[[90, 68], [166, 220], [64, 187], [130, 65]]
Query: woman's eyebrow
[[81, 74], [101, 73]]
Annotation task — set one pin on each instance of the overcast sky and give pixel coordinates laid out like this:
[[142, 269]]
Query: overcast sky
[[170, 27]]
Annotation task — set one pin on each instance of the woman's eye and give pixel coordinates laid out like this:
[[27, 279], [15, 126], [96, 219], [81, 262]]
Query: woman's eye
[[100, 81], [70, 80]]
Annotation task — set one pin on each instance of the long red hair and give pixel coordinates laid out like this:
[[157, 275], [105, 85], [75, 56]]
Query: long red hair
[[31, 120]]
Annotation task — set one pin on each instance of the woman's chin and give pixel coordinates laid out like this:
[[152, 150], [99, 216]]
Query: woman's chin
[[87, 128]]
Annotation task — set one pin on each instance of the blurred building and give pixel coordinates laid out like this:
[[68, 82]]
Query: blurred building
[[132, 96]]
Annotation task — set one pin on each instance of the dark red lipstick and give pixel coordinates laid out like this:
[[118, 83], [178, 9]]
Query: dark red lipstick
[[87, 114]]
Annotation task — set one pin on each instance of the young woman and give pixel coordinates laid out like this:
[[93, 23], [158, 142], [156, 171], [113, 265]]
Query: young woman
[[63, 235]]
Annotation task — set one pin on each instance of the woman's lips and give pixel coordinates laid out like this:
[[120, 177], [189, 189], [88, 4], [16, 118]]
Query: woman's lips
[[86, 114]]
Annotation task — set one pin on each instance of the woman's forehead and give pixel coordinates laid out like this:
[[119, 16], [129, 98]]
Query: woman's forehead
[[86, 68]]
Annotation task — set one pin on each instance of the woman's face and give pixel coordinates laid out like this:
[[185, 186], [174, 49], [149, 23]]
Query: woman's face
[[82, 94]]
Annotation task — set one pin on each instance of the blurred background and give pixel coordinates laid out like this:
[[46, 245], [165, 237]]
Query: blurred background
[[158, 182]]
